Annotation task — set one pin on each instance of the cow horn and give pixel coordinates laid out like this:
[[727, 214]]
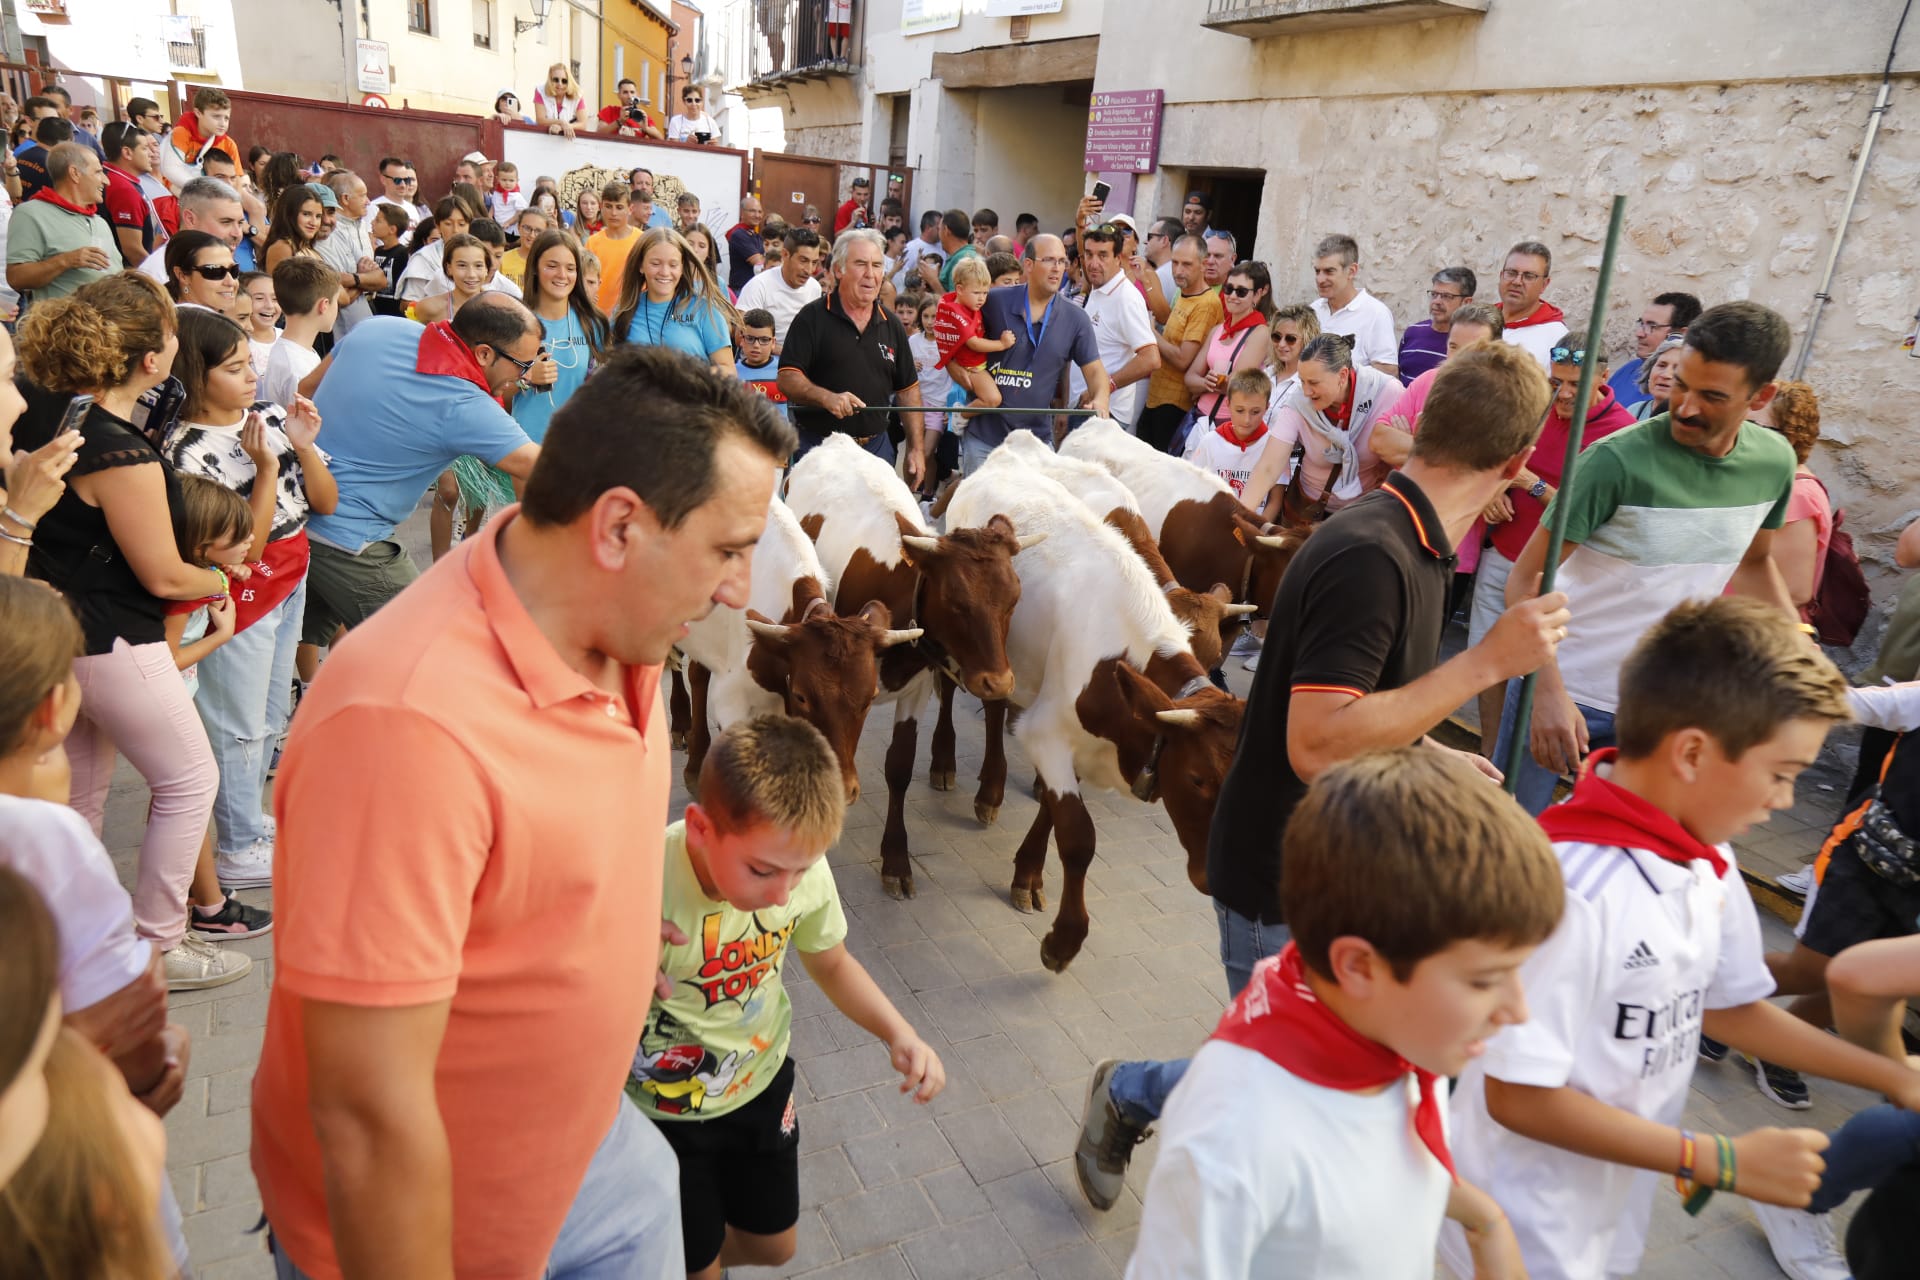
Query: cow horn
[[1274, 541], [890, 638], [1181, 717], [1239, 610], [917, 542], [768, 630], [1026, 540]]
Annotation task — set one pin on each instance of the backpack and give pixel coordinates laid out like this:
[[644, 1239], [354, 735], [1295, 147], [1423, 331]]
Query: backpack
[[1841, 603]]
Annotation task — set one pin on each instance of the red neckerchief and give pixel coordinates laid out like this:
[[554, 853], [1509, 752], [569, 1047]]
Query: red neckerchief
[[1279, 1017], [1226, 433], [741, 226], [1603, 812], [190, 122], [1230, 327], [51, 196], [1545, 313], [1342, 414], [443, 355]]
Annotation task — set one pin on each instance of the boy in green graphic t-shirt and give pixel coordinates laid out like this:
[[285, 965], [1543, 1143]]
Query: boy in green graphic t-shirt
[[746, 882]]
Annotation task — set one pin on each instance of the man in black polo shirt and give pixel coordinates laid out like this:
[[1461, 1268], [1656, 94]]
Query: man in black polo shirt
[[845, 351], [1349, 667]]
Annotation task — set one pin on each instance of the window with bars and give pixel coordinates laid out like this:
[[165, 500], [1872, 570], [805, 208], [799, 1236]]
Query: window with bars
[[189, 54], [483, 24], [420, 17]]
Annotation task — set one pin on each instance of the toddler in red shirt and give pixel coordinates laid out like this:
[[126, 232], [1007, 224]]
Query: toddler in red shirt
[[963, 348]]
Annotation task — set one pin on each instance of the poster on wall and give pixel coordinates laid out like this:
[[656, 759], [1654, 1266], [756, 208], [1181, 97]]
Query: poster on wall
[[1021, 8], [918, 17]]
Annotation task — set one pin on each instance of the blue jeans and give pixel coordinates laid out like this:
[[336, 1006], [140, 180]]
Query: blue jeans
[[1534, 789], [1140, 1089], [974, 451], [881, 446], [625, 1219], [1865, 1152], [243, 697]]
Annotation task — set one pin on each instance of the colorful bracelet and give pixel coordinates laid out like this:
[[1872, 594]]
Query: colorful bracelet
[[1683, 1177], [226, 585], [1727, 1171]]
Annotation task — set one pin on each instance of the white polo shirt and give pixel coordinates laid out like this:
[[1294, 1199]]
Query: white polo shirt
[[770, 290], [1121, 326], [1615, 996], [1368, 322], [1537, 340]]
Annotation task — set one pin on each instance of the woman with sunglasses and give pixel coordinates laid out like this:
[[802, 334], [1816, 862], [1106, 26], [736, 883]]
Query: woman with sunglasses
[[693, 124], [201, 273], [558, 105], [1238, 342]]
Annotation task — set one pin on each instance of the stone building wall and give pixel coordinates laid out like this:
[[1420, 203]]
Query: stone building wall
[[827, 141], [1732, 193]]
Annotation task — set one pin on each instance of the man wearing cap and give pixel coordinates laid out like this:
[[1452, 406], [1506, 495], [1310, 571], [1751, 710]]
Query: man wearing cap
[[1196, 214], [470, 167], [854, 212]]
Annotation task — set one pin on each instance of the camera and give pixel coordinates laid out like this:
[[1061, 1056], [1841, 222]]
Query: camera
[[637, 114]]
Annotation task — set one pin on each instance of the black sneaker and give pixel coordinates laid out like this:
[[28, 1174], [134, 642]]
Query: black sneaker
[[1107, 1140], [234, 920], [1783, 1086], [1712, 1050]]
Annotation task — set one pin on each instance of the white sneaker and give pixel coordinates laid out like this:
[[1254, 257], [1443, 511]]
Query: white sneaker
[[1245, 643], [1802, 1242], [1253, 663], [196, 964], [250, 870], [1801, 881]]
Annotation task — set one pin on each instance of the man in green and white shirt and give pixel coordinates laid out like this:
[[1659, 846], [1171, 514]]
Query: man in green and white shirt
[[1678, 507]]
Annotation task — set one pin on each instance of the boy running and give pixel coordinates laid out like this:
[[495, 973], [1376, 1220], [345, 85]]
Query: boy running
[[1306, 1138], [1722, 704], [745, 881]]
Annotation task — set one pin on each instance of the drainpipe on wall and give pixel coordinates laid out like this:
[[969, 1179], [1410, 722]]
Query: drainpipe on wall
[[1824, 295]]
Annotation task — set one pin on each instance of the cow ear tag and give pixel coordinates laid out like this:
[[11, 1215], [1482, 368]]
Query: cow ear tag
[[1240, 535]]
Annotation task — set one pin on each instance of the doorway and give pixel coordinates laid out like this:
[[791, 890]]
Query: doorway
[[1236, 201]]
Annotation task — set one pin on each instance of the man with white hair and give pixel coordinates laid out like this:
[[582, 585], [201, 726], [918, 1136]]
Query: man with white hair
[[845, 352], [209, 205]]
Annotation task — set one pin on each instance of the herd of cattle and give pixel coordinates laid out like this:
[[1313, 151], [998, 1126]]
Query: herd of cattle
[[1090, 590]]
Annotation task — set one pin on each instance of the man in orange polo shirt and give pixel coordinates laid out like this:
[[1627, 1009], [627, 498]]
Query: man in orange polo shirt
[[471, 811]]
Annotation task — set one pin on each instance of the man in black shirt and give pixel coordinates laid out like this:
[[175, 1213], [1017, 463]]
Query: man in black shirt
[[844, 352], [1349, 666]]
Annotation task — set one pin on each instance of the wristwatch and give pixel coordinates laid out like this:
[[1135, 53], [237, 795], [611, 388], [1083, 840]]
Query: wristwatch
[[1538, 491]]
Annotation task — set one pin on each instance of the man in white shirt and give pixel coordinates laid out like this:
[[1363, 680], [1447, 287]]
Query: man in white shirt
[[209, 205], [789, 287], [1121, 325], [1345, 308], [399, 185], [347, 250], [1159, 245], [1533, 324], [927, 241]]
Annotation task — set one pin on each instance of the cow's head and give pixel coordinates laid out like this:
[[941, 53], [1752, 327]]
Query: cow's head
[[1212, 617], [1271, 554], [1174, 750], [965, 596], [826, 667]]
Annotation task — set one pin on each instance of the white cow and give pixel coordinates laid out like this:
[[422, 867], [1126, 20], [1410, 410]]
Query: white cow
[[1110, 692], [787, 651], [959, 588]]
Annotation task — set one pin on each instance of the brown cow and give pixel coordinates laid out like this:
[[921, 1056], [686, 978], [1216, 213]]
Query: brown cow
[[959, 589], [1109, 690]]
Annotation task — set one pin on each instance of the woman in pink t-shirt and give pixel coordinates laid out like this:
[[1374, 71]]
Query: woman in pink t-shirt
[[1800, 547]]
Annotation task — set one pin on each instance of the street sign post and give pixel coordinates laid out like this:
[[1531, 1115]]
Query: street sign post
[[1123, 131]]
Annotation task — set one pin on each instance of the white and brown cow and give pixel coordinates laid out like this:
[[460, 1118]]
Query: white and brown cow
[[809, 663], [1200, 526], [1110, 693], [958, 588]]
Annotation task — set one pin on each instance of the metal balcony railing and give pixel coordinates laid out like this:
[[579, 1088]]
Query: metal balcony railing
[[1256, 19], [789, 38]]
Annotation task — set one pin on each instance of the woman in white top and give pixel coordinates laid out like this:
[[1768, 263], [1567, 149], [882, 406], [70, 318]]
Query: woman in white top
[[693, 124], [557, 105], [1292, 328], [1330, 414]]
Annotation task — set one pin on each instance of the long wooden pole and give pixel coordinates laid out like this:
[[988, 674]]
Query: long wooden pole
[[1557, 521]]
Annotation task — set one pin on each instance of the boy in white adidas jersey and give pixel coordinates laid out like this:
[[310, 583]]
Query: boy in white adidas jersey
[[1233, 449], [1570, 1120]]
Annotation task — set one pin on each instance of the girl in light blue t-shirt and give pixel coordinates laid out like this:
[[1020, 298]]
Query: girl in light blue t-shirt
[[576, 334], [669, 298]]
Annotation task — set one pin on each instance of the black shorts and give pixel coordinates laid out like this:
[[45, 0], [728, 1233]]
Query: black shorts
[[1856, 905], [741, 1170]]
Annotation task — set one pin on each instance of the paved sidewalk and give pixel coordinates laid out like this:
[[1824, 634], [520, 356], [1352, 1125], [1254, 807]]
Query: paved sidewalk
[[980, 1182]]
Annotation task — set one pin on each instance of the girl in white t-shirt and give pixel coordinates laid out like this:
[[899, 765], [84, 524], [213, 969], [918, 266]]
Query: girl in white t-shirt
[[262, 332]]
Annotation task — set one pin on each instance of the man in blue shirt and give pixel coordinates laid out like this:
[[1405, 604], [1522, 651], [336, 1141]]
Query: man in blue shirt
[[400, 404], [1049, 331], [1668, 314]]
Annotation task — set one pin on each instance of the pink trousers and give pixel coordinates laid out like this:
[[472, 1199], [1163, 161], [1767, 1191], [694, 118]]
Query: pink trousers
[[134, 703]]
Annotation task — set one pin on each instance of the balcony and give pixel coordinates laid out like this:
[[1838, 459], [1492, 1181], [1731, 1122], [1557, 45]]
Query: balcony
[[787, 40], [1258, 19]]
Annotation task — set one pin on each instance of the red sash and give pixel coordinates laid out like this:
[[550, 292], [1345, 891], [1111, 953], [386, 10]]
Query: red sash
[[275, 574]]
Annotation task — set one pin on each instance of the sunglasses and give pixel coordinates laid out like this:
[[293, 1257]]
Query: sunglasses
[[812, 222], [1237, 290], [522, 365], [1567, 355], [214, 272], [404, 182]]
